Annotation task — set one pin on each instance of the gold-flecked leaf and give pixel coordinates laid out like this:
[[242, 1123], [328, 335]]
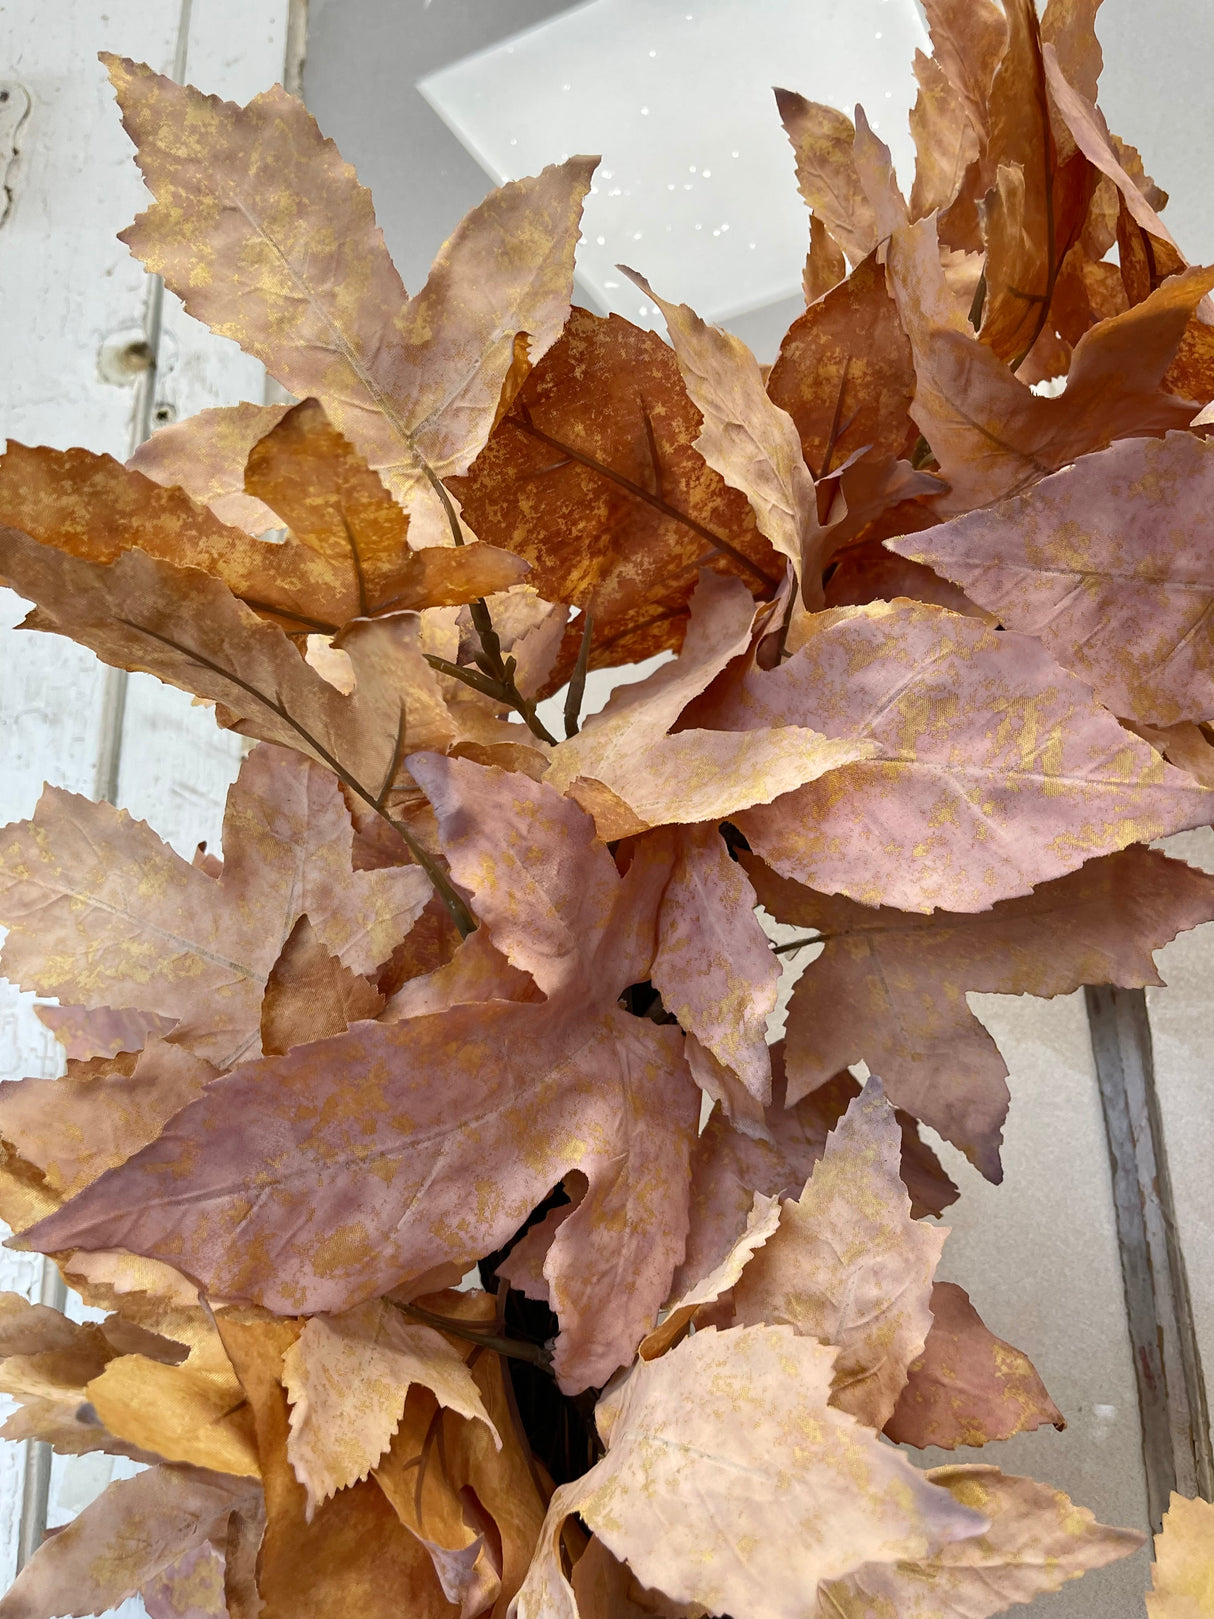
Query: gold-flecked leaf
[[848, 1266], [761, 1223], [1038, 1539], [1182, 1575], [206, 454], [347, 1377], [731, 1482], [822, 140], [183, 1413], [967, 1387], [295, 270]]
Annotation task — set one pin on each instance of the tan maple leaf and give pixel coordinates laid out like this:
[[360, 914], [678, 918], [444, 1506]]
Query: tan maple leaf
[[1182, 1575]]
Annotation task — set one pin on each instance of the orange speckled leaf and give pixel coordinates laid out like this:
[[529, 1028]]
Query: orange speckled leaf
[[967, 1387], [188, 629], [848, 1266], [825, 265], [968, 39], [1105, 563], [714, 968], [991, 435], [747, 438], [102, 911], [206, 454], [593, 478], [1070, 27], [128, 1535], [1182, 1575], [997, 769], [266, 235], [1038, 1540], [730, 1482], [906, 976], [822, 141], [844, 373], [347, 1377]]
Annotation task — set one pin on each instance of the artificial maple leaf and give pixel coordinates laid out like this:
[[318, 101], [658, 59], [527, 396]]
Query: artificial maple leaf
[[593, 478], [761, 1224], [967, 1387], [907, 977], [413, 383], [102, 1031], [848, 1266], [746, 437], [728, 1167], [79, 889], [1007, 772], [309, 995], [1037, 205], [516, 1094], [719, 1490], [990, 434], [190, 1588], [714, 968], [312, 1570], [844, 373], [136, 1528], [868, 572], [969, 38], [188, 629], [630, 773], [347, 1377], [1037, 1540], [822, 140], [1182, 1575], [206, 455], [945, 139], [1103, 564], [99, 1113], [181, 1413]]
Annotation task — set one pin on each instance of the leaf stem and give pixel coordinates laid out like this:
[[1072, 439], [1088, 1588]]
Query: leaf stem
[[512, 1348], [577, 680]]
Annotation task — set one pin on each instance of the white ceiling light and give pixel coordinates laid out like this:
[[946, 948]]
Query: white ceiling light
[[696, 187]]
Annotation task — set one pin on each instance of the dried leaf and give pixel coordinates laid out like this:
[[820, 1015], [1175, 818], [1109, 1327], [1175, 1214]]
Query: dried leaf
[[206, 454], [650, 777], [825, 265], [980, 733], [967, 1387], [318, 1569], [844, 374], [761, 1223], [969, 38], [714, 968], [749, 440], [190, 1588], [136, 1528], [294, 269], [1037, 1540], [593, 477], [309, 995], [183, 1413], [1182, 1575], [945, 139], [1104, 564], [990, 434], [822, 141], [718, 1490], [347, 1377], [906, 977], [101, 911], [848, 1266]]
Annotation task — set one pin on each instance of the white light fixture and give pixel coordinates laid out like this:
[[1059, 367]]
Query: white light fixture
[[696, 188]]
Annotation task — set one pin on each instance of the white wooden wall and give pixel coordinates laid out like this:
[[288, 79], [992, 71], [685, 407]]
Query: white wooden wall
[[72, 298]]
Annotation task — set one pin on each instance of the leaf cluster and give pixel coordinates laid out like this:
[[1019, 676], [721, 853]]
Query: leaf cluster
[[464, 999]]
